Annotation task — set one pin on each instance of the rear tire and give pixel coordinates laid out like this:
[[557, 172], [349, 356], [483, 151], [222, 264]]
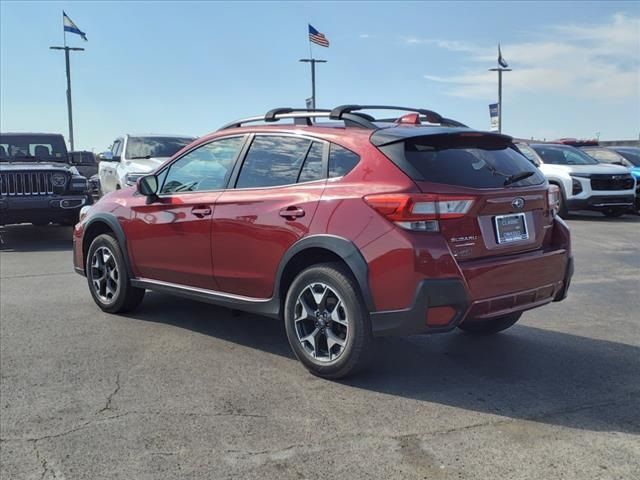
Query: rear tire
[[613, 212], [327, 322], [489, 327], [107, 276]]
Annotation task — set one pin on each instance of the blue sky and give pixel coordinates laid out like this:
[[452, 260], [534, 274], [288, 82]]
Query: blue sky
[[189, 67]]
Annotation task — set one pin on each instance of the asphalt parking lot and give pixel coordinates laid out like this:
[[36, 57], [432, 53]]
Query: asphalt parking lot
[[186, 390]]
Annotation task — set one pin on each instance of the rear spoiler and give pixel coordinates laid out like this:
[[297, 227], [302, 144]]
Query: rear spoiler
[[439, 136]]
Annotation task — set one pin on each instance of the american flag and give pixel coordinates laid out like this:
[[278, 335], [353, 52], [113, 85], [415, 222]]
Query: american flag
[[318, 38]]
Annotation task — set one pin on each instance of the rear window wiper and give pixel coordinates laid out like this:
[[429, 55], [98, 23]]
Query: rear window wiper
[[516, 177]]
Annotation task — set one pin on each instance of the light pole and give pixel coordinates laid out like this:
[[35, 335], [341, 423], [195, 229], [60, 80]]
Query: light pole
[[70, 114], [313, 62], [500, 70]]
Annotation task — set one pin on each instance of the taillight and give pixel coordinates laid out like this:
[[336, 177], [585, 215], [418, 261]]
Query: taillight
[[420, 212], [554, 198]]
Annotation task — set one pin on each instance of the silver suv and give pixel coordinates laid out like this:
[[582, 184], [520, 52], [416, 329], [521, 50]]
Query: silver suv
[[133, 156], [585, 184]]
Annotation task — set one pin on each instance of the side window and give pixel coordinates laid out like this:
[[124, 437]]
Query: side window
[[116, 150], [341, 161], [272, 161], [312, 168], [208, 167], [571, 158]]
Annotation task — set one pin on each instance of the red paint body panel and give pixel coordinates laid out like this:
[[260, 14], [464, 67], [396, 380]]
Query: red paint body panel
[[250, 237], [169, 240]]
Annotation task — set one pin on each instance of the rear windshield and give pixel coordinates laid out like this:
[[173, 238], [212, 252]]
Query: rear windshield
[[144, 147], [477, 163], [32, 148]]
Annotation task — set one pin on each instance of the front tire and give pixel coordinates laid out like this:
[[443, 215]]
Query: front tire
[[563, 210], [327, 323], [489, 327], [107, 276]]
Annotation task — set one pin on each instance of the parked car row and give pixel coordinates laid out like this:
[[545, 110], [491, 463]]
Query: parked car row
[[585, 181], [582, 175]]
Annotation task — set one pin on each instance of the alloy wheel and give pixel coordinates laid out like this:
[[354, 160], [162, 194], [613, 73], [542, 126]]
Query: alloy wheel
[[105, 277], [321, 322]]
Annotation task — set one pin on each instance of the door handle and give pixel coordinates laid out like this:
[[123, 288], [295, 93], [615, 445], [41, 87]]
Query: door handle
[[201, 212], [291, 213]]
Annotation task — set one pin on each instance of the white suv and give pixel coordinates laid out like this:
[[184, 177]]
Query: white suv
[[584, 183], [133, 156]]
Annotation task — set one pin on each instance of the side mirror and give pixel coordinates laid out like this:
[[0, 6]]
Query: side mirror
[[148, 185], [105, 156]]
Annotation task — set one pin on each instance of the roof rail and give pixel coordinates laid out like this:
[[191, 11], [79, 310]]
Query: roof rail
[[349, 114], [338, 112], [276, 114]]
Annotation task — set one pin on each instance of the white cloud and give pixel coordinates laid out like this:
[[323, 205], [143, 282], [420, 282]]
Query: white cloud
[[587, 61], [365, 35]]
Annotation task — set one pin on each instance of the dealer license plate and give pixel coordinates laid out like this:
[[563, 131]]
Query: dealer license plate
[[511, 228]]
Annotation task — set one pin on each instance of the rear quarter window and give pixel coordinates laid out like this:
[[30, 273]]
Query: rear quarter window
[[341, 161]]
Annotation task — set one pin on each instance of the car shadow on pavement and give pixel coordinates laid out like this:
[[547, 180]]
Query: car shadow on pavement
[[29, 238], [524, 373], [252, 331]]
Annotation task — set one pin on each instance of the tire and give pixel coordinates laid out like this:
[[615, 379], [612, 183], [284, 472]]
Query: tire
[[613, 212], [489, 327], [563, 211], [344, 321], [107, 277]]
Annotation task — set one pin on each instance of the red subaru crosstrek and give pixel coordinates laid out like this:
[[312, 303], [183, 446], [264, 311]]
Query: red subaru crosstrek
[[346, 228]]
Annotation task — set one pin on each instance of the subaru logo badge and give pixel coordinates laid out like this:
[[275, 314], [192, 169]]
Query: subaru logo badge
[[517, 203]]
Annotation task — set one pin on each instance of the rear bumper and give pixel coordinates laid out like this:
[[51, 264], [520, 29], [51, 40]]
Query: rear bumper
[[429, 294], [548, 278], [601, 202]]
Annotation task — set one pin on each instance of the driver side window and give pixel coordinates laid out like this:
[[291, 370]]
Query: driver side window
[[208, 167]]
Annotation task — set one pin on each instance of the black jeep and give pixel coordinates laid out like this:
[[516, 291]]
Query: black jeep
[[38, 183]]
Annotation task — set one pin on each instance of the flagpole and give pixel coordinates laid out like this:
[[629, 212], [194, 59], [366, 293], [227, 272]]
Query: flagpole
[[313, 62], [68, 71], [502, 68]]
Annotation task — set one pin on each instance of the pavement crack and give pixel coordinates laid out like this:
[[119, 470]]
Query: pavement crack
[[273, 451], [107, 406], [43, 463], [77, 428]]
